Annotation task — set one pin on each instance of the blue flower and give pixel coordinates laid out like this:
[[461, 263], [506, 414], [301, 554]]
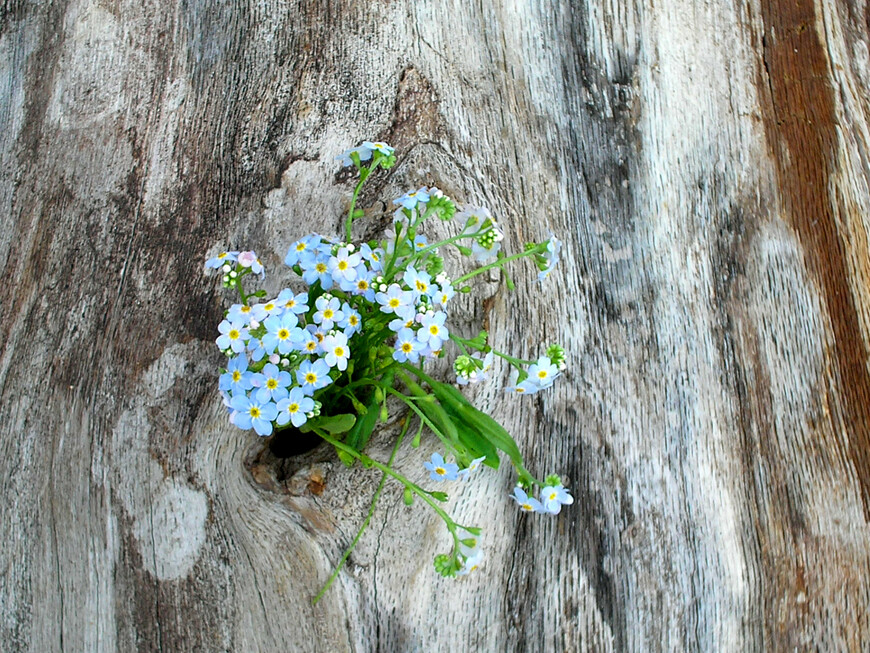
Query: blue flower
[[418, 282], [404, 319], [526, 387], [233, 336], [237, 378], [553, 497], [440, 470], [261, 311], [420, 242], [471, 563], [407, 346], [525, 502], [240, 313], [313, 376], [473, 466], [378, 146], [343, 265], [352, 321], [294, 408], [252, 413], [250, 260], [410, 199], [272, 383], [221, 259], [394, 299], [294, 303], [432, 330], [307, 245], [362, 285], [255, 347], [337, 351], [281, 333], [543, 372], [551, 256], [317, 269], [364, 152], [375, 257], [308, 344], [328, 312], [443, 293]]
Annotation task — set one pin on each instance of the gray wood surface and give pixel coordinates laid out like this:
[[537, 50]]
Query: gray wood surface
[[707, 166]]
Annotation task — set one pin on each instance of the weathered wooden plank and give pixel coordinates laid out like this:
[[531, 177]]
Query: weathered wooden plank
[[707, 165]]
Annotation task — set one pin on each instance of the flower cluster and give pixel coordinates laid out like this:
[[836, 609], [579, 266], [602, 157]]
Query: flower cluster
[[553, 496], [359, 324]]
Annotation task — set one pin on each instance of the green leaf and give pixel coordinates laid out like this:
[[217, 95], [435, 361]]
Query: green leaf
[[358, 436], [476, 444], [439, 496], [481, 422], [335, 424]]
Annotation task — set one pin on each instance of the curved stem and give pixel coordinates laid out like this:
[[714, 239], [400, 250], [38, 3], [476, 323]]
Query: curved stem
[[366, 460], [368, 519], [363, 175], [499, 262]]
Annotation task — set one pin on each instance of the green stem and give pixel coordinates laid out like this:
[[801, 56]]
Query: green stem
[[368, 519], [517, 362], [499, 262], [363, 175], [368, 461], [429, 248], [425, 420]]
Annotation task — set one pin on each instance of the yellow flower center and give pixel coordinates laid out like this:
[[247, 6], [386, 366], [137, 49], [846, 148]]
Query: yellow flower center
[[319, 336], [527, 507], [300, 247], [440, 471], [362, 284], [271, 384], [293, 408], [327, 314], [233, 334], [255, 412], [394, 303], [342, 265], [283, 334], [245, 309], [339, 351], [542, 374], [310, 345], [236, 376], [311, 377], [269, 306], [407, 347], [353, 320], [320, 267], [433, 329], [421, 286]]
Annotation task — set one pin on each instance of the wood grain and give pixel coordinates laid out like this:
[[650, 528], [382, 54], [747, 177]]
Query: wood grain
[[707, 166]]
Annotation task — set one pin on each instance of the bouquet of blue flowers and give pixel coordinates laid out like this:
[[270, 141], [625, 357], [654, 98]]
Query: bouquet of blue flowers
[[360, 326]]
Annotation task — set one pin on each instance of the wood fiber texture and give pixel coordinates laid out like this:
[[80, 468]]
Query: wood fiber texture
[[706, 164]]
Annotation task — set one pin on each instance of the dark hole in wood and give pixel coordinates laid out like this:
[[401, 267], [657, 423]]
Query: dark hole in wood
[[289, 442]]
